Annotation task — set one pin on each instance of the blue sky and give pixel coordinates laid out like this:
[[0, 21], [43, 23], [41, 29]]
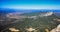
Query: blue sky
[[30, 4]]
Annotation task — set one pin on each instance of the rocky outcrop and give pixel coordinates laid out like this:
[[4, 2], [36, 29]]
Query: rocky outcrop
[[57, 29]]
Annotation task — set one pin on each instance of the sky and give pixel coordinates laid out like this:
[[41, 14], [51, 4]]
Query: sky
[[30, 4]]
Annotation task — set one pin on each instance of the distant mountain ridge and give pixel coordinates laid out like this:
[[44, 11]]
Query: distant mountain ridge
[[7, 10], [28, 10]]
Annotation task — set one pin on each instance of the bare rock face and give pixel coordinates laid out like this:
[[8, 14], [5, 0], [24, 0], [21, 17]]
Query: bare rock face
[[56, 29], [57, 20], [14, 30], [53, 30], [15, 15], [46, 14]]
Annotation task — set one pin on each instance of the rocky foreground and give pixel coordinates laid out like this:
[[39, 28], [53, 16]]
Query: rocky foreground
[[57, 29]]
